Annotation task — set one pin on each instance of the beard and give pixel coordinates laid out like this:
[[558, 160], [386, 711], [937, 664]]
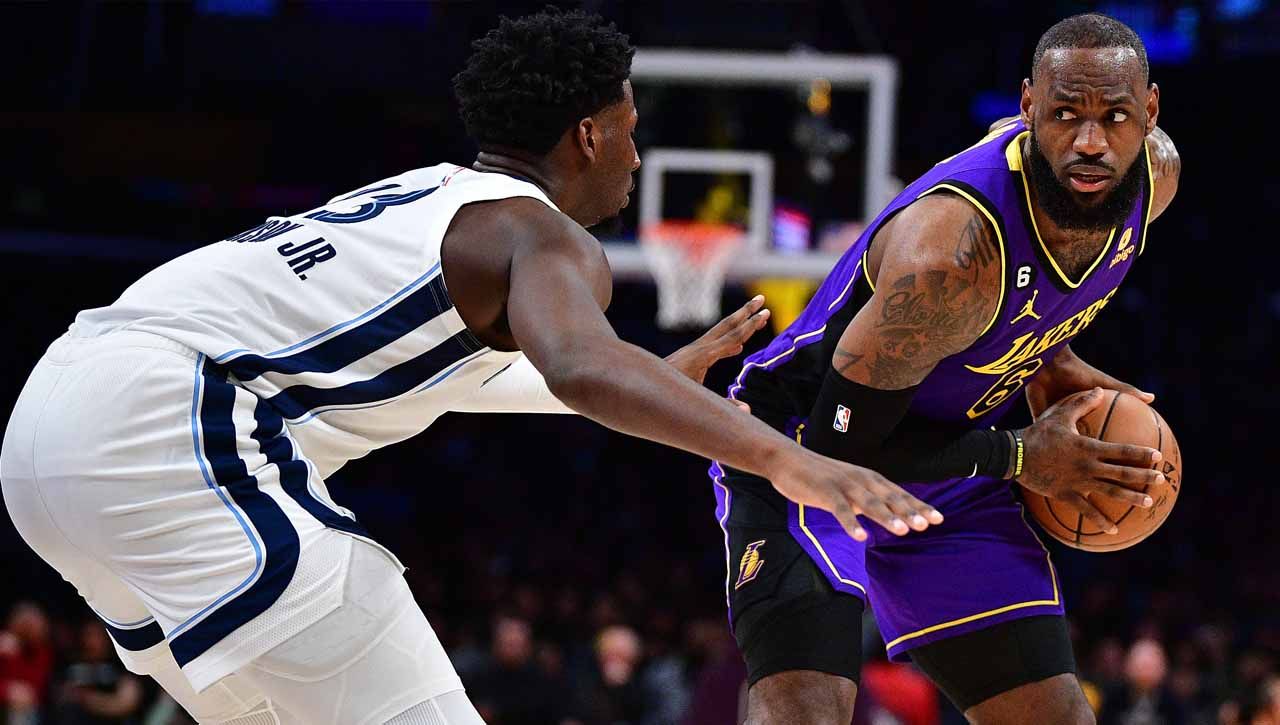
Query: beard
[[1061, 205]]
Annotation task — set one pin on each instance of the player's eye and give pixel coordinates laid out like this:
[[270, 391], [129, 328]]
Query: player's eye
[[1119, 116], [1063, 114]]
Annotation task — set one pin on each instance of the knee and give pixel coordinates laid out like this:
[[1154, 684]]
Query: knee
[[795, 697], [1075, 711], [1080, 714]]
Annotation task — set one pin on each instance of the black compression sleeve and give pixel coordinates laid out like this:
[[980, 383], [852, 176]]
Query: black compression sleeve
[[856, 423]]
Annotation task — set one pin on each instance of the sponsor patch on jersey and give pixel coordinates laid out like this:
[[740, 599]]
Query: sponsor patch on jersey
[[841, 422]]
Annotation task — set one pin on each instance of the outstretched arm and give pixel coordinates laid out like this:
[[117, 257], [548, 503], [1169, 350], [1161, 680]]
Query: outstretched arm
[[558, 278], [522, 389]]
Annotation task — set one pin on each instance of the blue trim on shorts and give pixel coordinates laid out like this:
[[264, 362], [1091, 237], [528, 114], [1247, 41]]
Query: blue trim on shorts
[[208, 480], [276, 560], [135, 639], [125, 625], [275, 444]]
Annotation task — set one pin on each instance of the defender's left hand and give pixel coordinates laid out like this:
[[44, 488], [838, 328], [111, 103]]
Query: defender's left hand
[[722, 341], [1068, 374]]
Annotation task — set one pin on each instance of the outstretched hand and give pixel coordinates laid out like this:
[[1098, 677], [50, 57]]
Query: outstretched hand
[[722, 341]]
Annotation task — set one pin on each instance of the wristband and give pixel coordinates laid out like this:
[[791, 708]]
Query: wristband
[[1018, 451]]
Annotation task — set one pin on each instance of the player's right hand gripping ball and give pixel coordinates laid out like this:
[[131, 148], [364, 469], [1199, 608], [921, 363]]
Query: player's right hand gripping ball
[[1121, 418]]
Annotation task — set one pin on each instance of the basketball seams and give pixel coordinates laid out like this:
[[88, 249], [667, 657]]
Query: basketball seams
[[1100, 541]]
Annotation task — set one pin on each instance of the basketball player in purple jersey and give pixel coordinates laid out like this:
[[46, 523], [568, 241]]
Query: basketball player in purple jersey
[[963, 292]]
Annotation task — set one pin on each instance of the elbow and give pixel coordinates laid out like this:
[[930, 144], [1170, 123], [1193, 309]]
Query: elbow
[[572, 382]]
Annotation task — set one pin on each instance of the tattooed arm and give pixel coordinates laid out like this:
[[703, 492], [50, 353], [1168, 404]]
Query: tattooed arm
[[938, 271], [937, 287], [1166, 167]]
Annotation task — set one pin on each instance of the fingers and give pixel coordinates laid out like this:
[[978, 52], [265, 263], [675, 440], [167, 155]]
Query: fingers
[[1111, 383], [741, 315], [893, 508], [1077, 406], [1142, 395], [848, 519], [1091, 513], [1128, 475], [1122, 494], [748, 327], [1126, 454]]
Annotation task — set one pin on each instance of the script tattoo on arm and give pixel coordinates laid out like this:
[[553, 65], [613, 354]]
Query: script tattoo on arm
[[924, 311]]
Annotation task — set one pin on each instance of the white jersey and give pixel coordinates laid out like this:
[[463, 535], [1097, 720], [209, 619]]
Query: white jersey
[[338, 318]]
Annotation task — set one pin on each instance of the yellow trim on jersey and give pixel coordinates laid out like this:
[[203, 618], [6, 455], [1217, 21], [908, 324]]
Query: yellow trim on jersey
[[1013, 154], [830, 565], [866, 276], [737, 382], [999, 238], [1057, 598], [1151, 198]]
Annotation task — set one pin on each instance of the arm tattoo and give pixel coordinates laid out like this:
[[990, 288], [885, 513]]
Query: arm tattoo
[[929, 314], [977, 249], [1165, 161], [844, 360]]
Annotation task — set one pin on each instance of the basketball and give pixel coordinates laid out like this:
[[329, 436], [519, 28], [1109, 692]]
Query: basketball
[[1121, 418]]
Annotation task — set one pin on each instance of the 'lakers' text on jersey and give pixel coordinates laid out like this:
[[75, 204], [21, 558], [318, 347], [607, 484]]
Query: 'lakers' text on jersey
[[1040, 307], [985, 565]]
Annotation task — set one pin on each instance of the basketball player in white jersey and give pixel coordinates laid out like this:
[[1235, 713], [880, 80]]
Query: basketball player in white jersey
[[168, 454]]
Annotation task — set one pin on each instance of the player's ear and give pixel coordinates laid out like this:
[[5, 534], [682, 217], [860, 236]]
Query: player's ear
[[586, 137], [1153, 106], [1025, 102]]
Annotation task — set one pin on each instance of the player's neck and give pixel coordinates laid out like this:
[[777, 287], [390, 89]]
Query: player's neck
[[571, 196], [532, 171]]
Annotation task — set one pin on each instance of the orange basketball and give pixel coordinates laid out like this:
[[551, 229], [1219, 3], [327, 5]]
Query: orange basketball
[[1121, 418]]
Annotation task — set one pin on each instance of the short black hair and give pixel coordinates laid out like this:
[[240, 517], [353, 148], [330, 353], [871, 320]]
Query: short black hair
[[1091, 30], [530, 79]]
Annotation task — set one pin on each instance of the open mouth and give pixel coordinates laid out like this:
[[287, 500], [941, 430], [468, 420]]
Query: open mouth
[[1088, 180]]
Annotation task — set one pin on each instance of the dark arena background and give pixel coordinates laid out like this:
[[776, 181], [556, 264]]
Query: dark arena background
[[576, 575]]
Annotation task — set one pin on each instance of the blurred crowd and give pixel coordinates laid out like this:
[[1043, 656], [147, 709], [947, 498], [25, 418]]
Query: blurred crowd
[[540, 655]]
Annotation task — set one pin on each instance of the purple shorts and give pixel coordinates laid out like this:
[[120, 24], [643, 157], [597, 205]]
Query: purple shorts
[[982, 566]]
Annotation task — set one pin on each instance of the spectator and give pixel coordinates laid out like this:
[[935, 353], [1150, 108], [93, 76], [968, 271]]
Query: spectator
[[26, 663], [510, 689], [1187, 687], [95, 688], [611, 694], [1143, 699], [1266, 710]]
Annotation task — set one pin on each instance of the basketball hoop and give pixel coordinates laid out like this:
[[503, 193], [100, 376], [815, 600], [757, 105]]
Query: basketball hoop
[[689, 260]]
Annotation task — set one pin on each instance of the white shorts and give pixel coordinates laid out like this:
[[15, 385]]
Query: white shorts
[[175, 501]]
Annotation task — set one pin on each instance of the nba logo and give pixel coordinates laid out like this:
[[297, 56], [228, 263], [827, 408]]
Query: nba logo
[[842, 419]]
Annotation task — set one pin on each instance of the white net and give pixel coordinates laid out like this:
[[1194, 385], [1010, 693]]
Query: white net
[[690, 269]]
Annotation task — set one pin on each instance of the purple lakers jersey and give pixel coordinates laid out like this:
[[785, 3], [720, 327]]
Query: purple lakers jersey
[[1040, 306], [985, 564]]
